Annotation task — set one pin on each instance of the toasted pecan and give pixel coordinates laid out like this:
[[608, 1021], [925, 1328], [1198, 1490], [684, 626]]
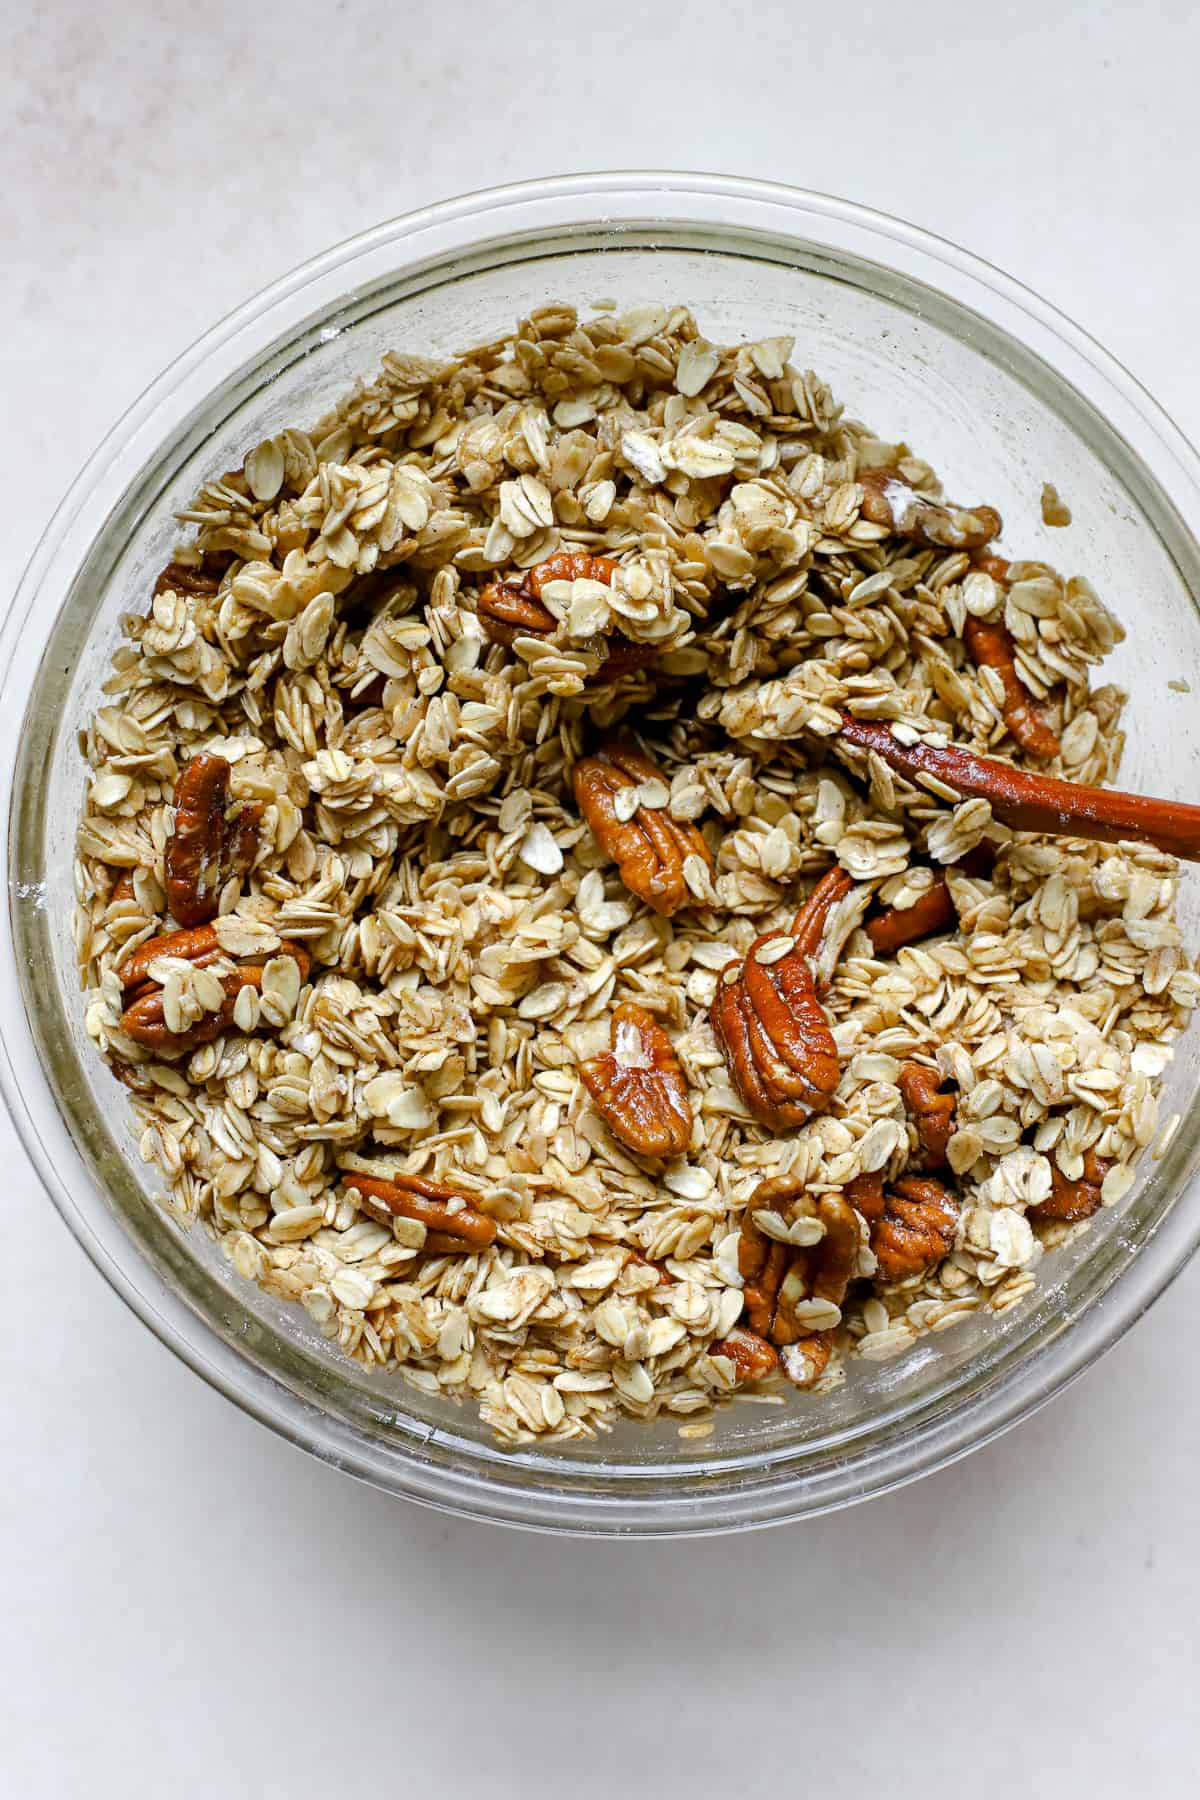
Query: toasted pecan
[[932, 1111], [769, 1021], [510, 610], [917, 1227], [201, 580], [639, 1087], [205, 846], [513, 609], [896, 926], [990, 646], [865, 1194], [451, 1229], [199, 946], [144, 1017], [778, 1277], [934, 910], [650, 848], [805, 1361], [753, 1358], [1070, 1200], [891, 501]]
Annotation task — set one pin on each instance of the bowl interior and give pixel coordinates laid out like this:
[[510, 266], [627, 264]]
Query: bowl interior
[[993, 419]]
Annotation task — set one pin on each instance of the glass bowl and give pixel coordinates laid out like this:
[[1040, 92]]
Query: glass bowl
[[1000, 392]]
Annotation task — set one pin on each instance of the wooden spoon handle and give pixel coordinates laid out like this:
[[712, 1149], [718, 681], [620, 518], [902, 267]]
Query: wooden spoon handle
[[1029, 802]]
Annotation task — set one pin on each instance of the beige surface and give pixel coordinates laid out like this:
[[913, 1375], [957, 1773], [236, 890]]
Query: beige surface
[[1027, 1617]]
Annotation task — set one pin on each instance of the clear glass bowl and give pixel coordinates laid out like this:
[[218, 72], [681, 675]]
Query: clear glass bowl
[[999, 391]]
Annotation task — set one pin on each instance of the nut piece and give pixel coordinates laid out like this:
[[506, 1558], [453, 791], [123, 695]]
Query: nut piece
[[896, 926], [753, 1358], [1028, 801], [205, 848], [144, 1018], [763, 1261], [623, 657], [202, 579], [805, 1361], [649, 847], [370, 695], [917, 1228], [570, 565], [768, 1019], [979, 863], [779, 1277], [989, 563], [933, 1112], [513, 609], [451, 1228], [1071, 1201], [890, 501], [990, 646], [639, 1087], [635, 1260], [195, 847], [510, 610], [865, 1194]]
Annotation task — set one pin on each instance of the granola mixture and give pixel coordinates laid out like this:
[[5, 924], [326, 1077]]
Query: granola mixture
[[517, 892]]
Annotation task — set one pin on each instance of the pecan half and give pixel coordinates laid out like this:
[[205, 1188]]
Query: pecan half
[[990, 646], [779, 1276], [450, 1228], [932, 1111], [829, 1266], [513, 609], [510, 610], [896, 926], [198, 946], [144, 1018], [201, 579], [1073, 1200], [892, 502], [753, 1358], [205, 847], [769, 1022], [649, 847], [916, 1229], [764, 1261], [1031, 802], [639, 1087]]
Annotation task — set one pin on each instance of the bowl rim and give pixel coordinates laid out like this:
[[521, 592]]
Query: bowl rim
[[945, 1439]]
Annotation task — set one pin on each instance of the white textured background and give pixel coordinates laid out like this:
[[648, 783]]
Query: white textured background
[[192, 1608]]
